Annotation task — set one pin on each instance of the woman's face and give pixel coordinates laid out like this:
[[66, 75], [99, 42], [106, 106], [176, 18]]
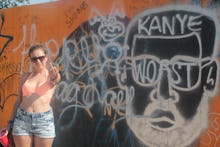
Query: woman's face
[[38, 59]]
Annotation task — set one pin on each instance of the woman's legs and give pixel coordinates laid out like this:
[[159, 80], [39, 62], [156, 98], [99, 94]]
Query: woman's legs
[[23, 140], [43, 142]]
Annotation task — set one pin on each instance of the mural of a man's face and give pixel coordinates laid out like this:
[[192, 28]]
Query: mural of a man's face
[[169, 80]]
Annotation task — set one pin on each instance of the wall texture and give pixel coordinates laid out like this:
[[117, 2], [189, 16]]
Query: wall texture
[[134, 72]]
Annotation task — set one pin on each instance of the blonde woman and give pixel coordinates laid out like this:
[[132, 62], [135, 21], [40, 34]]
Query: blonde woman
[[32, 118]]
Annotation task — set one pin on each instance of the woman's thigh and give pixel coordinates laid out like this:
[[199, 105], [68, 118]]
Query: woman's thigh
[[43, 125], [43, 142], [23, 140]]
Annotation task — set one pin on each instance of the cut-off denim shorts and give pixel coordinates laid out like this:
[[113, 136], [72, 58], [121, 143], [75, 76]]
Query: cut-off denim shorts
[[39, 124]]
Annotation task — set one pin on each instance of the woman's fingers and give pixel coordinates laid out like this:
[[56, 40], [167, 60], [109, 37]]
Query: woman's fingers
[[53, 71]]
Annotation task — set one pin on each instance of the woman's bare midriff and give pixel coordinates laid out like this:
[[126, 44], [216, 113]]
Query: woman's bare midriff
[[37, 104]]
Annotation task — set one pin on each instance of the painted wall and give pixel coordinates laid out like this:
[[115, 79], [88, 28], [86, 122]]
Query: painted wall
[[134, 73]]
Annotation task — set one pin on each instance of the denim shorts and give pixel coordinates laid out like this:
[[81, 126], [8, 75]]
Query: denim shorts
[[39, 124]]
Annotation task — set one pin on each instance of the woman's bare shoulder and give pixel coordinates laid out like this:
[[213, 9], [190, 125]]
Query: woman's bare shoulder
[[24, 76]]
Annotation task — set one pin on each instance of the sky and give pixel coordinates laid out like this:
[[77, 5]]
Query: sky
[[32, 2]]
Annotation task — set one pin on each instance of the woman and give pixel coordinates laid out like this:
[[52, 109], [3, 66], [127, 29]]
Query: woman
[[32, 117]]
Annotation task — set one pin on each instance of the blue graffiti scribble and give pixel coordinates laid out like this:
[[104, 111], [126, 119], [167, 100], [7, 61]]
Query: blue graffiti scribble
[[114, 137], [9, 38], [112, 52]]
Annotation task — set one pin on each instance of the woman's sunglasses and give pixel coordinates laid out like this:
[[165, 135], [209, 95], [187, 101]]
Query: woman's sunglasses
[[34, 59]]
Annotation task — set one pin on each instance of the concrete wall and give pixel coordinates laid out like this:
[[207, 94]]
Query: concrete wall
[[134, 72]]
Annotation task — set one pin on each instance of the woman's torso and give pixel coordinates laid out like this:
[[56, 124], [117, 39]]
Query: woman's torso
[[37, 93]]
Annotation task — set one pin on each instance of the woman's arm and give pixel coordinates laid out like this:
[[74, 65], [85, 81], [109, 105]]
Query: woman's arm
[[18, 100]]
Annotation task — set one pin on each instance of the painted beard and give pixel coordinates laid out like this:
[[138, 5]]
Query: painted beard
[[163, 125]]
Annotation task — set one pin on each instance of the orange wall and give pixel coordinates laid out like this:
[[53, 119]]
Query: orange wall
[[50, 24]]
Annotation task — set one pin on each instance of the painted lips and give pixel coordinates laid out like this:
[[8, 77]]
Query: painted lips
[[162, 119]]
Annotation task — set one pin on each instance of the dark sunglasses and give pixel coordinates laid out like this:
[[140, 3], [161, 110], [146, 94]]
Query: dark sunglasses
[[34, 59]]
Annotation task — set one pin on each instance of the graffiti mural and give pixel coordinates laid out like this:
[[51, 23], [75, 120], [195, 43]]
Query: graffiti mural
[[173, 73], [134, 74]]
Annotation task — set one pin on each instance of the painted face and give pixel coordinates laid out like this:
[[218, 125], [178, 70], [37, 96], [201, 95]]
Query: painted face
[[38, 59], [168, 63], [165, 90]]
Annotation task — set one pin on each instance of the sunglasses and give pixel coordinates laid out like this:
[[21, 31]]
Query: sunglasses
[[34, 59]]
